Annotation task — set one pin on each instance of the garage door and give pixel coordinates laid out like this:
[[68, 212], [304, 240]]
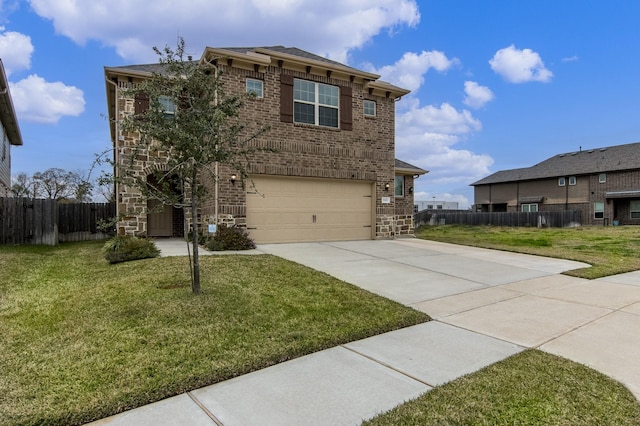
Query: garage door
[[296, 209]]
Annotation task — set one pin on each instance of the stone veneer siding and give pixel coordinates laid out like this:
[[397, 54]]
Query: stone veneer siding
[[364, 153]]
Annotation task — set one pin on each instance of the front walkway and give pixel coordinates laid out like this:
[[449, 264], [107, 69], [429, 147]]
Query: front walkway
[[486, 305]]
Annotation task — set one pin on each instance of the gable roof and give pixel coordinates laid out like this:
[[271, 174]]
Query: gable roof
[[589, 161], [406, 168], [7, 112]]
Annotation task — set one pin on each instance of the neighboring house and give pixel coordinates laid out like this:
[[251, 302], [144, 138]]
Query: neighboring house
[[10, 134], [603, 184], [435, 205], [330, 177]]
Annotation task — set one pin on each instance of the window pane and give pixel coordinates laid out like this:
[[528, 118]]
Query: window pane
[[255, 86], [303, 113], [168, 107], [635, 209], [328, 95], [572, 180], [602, 178], [561, 181], [328, 117], [369, 108], [304, 90], [399, 186], [598, 210]]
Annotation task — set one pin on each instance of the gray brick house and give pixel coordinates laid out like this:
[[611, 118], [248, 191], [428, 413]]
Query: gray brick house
[[330, 176], [10, 134], [602, 183]]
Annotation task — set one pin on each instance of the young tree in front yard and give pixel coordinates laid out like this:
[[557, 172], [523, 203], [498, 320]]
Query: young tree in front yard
[[191, 118]]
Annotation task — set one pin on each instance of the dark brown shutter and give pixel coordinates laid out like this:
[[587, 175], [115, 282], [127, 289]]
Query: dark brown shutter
[[286, 98], [141, 103], [346, 114]]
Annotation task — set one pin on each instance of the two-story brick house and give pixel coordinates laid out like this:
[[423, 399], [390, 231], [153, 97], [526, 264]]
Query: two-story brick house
[[332, 172], [10, 134], [602, 183]]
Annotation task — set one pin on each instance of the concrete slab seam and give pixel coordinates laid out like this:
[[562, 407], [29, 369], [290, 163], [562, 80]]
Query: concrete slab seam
[[578, 327], [205, 409], [470, 309], [481, 334], [388, 366]]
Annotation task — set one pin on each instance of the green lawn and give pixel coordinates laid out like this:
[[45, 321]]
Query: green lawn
[[81, 339], [610, 250], [530, 388]]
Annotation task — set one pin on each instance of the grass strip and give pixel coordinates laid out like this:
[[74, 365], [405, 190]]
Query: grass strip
[[530, 388], [610, 250]]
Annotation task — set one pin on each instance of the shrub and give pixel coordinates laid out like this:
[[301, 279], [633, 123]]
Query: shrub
[[230, 238], [125, 248]]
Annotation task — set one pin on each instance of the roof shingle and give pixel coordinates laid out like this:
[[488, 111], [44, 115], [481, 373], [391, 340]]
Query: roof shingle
[[589, 161]]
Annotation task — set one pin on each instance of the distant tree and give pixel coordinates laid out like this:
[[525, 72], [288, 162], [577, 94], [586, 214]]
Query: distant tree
[[55, 183], [196, 122], [22, 185]]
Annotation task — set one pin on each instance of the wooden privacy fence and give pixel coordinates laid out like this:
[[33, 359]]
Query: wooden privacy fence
[[42, 221], [560, 219]]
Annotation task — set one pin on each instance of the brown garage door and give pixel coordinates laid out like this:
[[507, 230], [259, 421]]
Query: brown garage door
[[297, 209]]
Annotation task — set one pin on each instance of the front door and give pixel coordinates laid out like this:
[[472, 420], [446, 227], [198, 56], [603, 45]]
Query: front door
[[159, 222]]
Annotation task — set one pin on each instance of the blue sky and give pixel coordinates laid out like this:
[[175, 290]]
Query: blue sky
[[495, 84]]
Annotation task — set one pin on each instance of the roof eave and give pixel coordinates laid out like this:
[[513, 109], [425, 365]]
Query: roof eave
[[8, 112]]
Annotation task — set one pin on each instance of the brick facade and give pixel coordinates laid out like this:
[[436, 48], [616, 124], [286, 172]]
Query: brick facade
[[362, 150]]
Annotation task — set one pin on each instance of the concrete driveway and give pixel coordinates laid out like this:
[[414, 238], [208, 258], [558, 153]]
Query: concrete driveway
[[516, 298]]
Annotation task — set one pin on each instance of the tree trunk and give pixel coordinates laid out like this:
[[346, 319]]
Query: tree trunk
[[195, 284]]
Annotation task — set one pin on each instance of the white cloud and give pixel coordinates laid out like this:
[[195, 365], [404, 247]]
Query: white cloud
[[134, 26], [40, 101], [408, 72], [571, 59], [519, 66], [476, 96], [426, 136], [15, 50]]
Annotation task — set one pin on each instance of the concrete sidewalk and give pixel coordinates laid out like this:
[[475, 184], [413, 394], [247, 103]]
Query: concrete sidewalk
[[486, 305]]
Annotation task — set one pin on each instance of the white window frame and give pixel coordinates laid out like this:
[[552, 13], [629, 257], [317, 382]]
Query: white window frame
[[562, 181], [529, 208], [370, 108], [602, 178], [317, 100], [255, 86], [634, 207], [573, 180], [398, 184], [598, 210]]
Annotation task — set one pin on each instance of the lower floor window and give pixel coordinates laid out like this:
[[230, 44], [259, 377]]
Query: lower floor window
[[529, 208], [635, 209], [598, 210]]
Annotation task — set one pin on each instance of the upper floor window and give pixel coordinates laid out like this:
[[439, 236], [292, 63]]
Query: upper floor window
[[256, 87], [572, 180], [369, 108], [529, 208], [602, 178], [399, 186], [561, 182], [635, 209], [315, 103]]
